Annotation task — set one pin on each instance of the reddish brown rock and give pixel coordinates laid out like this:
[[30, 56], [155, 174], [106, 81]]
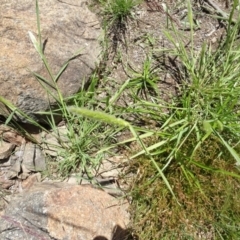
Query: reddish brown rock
[[10, 135], [5, 183], [57, 211], [5, 149], [29, 182]]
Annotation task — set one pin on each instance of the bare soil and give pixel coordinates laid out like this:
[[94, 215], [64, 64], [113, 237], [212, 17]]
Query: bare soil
[[143, 35]]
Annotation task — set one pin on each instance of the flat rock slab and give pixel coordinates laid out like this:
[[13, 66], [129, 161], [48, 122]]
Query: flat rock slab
[[5, 149], [63, 211], [67, 27], [25, 159]]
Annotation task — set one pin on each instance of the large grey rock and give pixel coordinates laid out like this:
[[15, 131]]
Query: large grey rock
[[66, 212], [67, 27]]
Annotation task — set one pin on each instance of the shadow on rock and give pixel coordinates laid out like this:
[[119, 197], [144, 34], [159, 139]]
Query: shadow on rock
[[118, 234]]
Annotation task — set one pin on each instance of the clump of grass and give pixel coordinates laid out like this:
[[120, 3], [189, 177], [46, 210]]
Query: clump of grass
[[119, 10], [197, 147], [116, 14], [85, 136], [145, 80]]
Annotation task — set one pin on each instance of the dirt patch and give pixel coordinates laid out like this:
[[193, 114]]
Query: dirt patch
[[142, 38]]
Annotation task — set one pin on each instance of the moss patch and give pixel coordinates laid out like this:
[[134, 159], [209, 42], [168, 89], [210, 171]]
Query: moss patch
[[210, 200]]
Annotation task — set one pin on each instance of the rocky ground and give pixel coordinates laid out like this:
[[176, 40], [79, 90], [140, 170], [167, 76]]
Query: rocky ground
[[23, 163]]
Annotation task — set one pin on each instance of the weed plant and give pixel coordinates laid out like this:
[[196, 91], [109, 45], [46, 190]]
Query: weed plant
[[85, 136], [145, 82], [116, 14]]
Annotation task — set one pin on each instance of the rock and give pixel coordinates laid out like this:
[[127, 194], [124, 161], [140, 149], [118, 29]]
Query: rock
[[5, 149], [66, 28], [10, 135], [33, 158], [27, 158], [15, 170], [5, 183], [7, 162], [51, 141], [109, 185], [57, 211], [112, 167], [28, 183]]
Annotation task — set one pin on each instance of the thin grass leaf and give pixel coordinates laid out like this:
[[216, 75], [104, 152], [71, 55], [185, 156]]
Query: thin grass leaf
[[8, 104], [15, 110], [119, 92], [230, 149], [9, 118], [41, 78], [149, 149], [154, 162], [146, 135], [221, 171], [191, 22], [63, 68], [39, 28]]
